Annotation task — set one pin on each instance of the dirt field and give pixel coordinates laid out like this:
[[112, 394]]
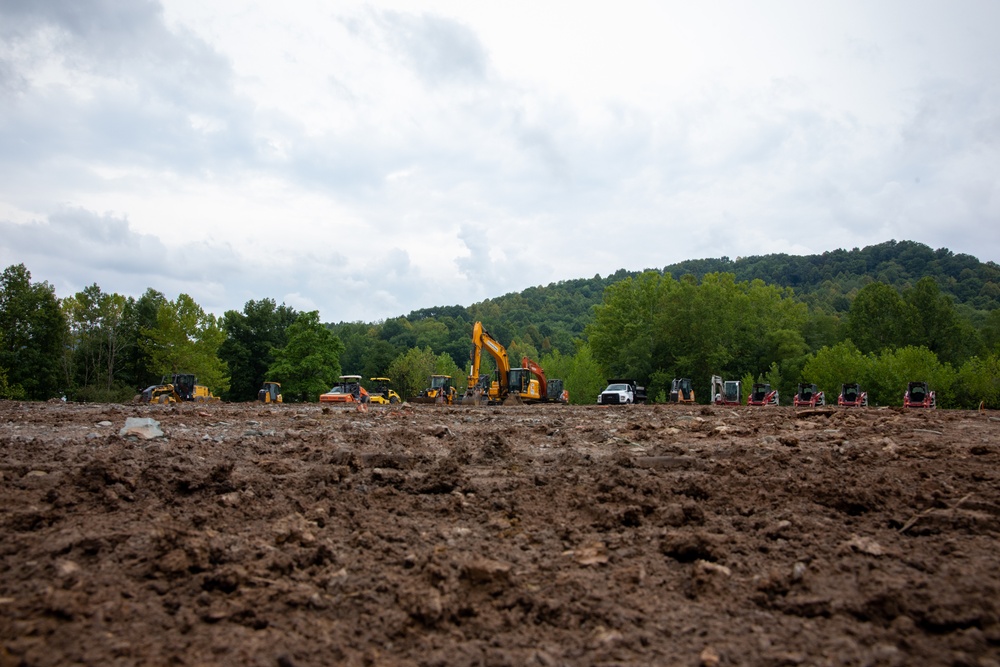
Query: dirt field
[[555, 535]]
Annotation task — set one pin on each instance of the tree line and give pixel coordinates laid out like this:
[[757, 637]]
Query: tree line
[[651, 326]]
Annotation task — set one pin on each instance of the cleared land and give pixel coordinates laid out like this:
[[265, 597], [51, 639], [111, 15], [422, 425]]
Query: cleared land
[[545, 535]]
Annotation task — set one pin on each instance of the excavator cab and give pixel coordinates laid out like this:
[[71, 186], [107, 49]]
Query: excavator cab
[[521, 386], [726, 392]]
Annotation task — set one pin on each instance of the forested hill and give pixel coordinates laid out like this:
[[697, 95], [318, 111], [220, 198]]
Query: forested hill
[[832, 277], [553, 315]]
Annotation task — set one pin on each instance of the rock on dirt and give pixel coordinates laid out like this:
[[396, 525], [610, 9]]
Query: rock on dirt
[[532, 535]]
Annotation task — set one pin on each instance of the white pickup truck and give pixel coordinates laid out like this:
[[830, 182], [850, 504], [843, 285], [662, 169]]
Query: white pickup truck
[[620, 392]]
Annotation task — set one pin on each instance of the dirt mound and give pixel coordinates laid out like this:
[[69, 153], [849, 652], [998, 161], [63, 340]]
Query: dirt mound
[[535, 535]]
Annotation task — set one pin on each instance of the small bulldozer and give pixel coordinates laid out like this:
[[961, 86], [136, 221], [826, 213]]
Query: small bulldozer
[[270, 392], [177, 388], [681, 391], [919, 395], [808, 396], [762, 394], [851, 396]]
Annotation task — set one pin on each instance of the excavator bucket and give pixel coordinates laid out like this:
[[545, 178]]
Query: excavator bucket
[[513, 399]]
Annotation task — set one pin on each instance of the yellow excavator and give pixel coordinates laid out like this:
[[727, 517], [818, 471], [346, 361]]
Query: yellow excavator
[[511, 386]]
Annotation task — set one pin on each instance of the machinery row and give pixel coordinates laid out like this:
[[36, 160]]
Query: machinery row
[[729, 392], [528, 384], [524, 384]]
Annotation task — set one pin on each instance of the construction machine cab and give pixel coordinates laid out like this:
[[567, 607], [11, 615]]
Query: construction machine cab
[[919, 395], [728, 392], [441, 383], [518, 380], [852, 396], [382, 392], [808, 395], [270, 392], [681, 391], [183, 385], [762, 394]]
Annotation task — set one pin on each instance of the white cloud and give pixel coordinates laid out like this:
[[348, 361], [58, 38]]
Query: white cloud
[[366, 160]]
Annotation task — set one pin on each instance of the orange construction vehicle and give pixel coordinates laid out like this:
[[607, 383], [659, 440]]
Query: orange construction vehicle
[[347, 390], [551, 391]]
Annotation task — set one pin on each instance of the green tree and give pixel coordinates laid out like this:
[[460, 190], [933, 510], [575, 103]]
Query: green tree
[[991, 332], [99, 338], [377, 357], [6, 390], [831, 367], [880, 319], [978, 381], [623, 336], [937, 325], [33, 333], [411, 370], [581, 374], [309, 363], [140, 315], [892, 370], [251, 336], [186, 339]]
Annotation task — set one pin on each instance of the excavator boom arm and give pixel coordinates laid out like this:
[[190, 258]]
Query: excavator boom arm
[[482, 339]]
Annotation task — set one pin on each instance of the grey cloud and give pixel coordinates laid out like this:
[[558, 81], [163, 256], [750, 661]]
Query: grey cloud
[[145, 82], [439, 49], [84, 247]]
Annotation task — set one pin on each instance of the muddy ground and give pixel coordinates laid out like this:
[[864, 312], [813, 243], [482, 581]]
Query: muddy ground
[[546, 535]]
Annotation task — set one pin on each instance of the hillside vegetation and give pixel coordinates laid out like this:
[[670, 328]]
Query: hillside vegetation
[[881, 315]]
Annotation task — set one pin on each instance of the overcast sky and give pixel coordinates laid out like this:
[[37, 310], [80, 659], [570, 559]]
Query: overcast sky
[[368, 159]]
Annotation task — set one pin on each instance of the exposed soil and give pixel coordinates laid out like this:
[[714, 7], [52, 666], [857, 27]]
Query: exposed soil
[[544, 535]]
